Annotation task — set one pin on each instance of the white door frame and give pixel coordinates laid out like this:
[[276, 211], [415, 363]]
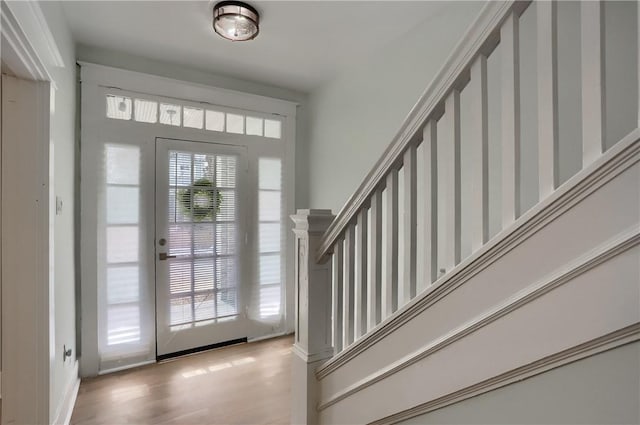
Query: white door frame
[[26, 267], [98, 81]]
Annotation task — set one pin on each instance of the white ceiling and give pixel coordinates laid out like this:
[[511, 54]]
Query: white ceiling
[[301, 43]]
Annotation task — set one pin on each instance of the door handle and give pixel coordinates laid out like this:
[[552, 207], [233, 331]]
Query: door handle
[[163, 256]]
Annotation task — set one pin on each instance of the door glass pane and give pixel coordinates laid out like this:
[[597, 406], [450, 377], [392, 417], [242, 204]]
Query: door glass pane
[[118, 107], [193, 117], [235, 123], [122, 244], [272, 129], [202, 235], [170, 114], [122, 164], [123, 204], [146, 111], [254, 126], [215, 120]]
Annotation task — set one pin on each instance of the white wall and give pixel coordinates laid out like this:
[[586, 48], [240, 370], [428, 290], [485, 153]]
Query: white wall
[[603, 389], [172, 70], [354, 116]]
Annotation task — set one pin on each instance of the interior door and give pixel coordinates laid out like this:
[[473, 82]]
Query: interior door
[[200, 196]]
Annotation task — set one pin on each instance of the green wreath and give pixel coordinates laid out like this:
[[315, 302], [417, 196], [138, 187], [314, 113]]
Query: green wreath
[[202, 201]]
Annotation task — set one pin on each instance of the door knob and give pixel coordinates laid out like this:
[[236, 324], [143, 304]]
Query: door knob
[[163, 256]]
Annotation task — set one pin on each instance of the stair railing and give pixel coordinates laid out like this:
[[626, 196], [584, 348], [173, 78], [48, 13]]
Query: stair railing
[[342, 290]]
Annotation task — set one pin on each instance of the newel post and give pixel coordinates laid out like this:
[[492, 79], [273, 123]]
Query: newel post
[[313, 313]]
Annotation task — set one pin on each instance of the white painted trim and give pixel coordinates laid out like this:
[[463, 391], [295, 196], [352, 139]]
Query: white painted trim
[[599, 345], [265, 337], [32, 54], [137, 82], [603, 253], [98, 81], [480, 36], [311, 357], [613, 162], [34, 18], [131, 366], [21, 57], [65, 409]]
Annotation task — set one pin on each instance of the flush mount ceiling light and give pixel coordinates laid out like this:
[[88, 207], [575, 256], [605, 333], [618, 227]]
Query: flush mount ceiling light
[[235, 21]]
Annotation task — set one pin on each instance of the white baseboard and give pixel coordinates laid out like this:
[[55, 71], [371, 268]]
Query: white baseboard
[[63, 416]]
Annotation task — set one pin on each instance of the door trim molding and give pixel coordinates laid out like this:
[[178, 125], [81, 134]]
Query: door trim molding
[[31, 52]]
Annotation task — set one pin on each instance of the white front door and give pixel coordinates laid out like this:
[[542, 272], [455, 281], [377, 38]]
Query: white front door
[[200, 247]]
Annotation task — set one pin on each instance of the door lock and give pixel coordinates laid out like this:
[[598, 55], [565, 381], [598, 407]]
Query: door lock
[[163, 256]]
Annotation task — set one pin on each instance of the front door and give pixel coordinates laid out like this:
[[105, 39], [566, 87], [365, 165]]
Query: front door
[[200, 194]]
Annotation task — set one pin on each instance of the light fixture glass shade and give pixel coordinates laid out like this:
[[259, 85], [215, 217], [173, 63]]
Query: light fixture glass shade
[[235, 21]]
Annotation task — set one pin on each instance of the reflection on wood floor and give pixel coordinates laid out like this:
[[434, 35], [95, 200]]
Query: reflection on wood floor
[[241, 384]]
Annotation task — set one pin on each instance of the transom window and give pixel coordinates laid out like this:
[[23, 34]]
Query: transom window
[[152, 112]]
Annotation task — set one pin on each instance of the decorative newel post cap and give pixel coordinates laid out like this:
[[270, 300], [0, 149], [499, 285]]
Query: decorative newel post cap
[[312, 220]]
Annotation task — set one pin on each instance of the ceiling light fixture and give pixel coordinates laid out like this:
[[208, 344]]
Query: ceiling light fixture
[[236, 21]]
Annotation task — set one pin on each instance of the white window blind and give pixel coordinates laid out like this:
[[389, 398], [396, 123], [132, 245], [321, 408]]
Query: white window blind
[[120, 292], [270, 237], [203, 236]]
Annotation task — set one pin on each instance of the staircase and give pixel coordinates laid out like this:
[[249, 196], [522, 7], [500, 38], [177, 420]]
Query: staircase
[[404, 306]]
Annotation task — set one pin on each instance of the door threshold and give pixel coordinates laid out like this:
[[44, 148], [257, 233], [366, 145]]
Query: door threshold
[[196, 350]]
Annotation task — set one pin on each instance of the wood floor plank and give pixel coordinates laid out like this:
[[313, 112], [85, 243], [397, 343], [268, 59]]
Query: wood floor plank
[[242, 384]]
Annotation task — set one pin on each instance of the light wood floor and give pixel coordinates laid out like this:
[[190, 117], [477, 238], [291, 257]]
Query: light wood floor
[[242, 384]]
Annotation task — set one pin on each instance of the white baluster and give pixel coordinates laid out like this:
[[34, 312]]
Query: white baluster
[[451, 198], [407, 289], [593, 80], [548, 159], [479, 153], [430, 152], [349, 285], [510, 50], [337, 294], [390, 290], [360, 304], [374, 305]]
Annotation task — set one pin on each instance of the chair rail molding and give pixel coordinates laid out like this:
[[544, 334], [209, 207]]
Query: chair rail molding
[[595, 346]]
